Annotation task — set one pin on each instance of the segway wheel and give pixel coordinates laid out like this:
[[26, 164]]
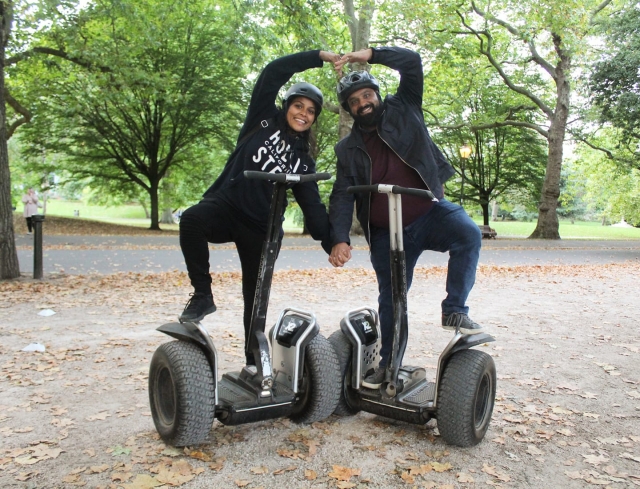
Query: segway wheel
[[466, 397], [181, 393], [343, 349], [320, 381]]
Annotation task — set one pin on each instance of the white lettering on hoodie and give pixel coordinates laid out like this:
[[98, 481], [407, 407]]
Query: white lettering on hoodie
[[273, 156]]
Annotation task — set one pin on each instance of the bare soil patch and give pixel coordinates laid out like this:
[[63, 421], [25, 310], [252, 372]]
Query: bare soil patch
[[567, 356]]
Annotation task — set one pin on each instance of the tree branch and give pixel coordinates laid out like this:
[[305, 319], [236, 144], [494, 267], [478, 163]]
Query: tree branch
[[15, 105], [491, 125], [515, 32], [599, 9], [350, 11], [487, 53], [579, 137], [386, 42], [53, 52]]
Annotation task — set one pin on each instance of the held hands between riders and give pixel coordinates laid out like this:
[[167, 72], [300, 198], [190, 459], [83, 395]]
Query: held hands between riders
[[340, 254]]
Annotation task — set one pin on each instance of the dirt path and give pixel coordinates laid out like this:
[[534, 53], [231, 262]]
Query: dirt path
[[567, 355]]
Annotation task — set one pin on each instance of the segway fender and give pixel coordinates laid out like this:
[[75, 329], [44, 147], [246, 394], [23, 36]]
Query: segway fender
[[469, 341], [184, 332], [458, 343], [195, 333]]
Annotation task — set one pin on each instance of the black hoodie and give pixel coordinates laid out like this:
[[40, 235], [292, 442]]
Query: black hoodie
[[272, 149]]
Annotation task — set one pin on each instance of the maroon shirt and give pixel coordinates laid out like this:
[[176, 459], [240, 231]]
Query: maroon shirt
[[387, 168]]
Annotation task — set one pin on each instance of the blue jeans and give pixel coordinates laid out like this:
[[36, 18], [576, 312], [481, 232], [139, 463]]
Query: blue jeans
[[446, 227]]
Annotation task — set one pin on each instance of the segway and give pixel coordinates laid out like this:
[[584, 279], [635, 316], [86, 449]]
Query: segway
[[462, 395], [300, 378]]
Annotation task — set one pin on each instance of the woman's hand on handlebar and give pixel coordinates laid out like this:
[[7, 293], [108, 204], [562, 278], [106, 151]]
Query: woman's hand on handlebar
[[340, 254]]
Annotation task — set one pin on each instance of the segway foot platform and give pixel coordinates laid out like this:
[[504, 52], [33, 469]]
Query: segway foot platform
[[413, 405], [241, 400]]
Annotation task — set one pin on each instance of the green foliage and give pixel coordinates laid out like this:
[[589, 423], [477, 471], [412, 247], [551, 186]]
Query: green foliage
[[507, 163], [157, 91], [615, 79], [610, 188], [158, 83]]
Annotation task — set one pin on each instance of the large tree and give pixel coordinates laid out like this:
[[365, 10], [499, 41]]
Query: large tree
[[19, 21], [9, 266], [520, 41], [162, 79]]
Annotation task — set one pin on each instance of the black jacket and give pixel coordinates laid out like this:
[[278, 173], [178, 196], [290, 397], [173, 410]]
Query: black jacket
[[402, 127], [272, 149]]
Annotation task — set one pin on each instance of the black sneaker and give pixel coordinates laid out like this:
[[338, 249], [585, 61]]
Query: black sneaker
[[374, 380], [459, 320], [197, 308]]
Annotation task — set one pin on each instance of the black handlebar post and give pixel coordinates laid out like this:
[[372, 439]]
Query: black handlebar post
[[256, 340]]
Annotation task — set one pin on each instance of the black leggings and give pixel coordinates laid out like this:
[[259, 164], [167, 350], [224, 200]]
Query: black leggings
[[29, 224], [215, 222]]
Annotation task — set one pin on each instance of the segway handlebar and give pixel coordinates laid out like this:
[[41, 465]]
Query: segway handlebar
[[391, 189], [286, 177]]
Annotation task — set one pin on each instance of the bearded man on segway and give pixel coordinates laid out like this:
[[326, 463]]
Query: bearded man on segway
[[390, 144]]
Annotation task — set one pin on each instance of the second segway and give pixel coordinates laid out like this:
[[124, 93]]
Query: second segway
[[462, 395], [298, 377]]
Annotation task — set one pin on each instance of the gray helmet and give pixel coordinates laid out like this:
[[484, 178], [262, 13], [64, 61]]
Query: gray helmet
[[355, 81], [304, 89]]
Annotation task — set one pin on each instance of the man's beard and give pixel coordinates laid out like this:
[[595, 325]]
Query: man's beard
[[371, 119]]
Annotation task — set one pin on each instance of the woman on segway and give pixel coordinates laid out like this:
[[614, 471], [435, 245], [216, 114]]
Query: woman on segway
[[235, 209]]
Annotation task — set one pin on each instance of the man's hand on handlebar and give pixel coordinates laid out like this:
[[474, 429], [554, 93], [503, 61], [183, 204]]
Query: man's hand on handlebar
[[340, 254]]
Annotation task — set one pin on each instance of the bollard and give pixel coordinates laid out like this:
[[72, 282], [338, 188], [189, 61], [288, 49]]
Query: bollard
[[37, 245]]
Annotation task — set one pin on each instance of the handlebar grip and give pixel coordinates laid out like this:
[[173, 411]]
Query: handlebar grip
[[319, 176], [413, 191], [286, 177]]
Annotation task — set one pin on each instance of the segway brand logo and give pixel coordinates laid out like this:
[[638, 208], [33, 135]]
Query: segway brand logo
[[274, 156], [290, 327], [366, 327]]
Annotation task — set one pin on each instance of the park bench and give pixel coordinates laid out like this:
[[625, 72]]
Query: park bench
[[487, 232]]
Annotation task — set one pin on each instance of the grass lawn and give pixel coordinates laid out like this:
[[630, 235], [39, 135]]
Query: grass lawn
[[578, 230], [66, 208], [133, 215], [127, 215]]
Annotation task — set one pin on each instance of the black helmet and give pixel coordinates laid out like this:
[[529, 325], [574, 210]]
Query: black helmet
[[355, 81], [304, 89]]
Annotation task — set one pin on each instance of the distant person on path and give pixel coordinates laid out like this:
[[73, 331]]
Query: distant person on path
[[30, 201], [390, 144], [236, 209]]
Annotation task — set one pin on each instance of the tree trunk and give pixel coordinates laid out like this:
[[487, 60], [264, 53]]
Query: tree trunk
[[9, 266], [167, 192], [167, 216], [360, 30], [485, 213], [153, 196], [144, 208], [548, 224], [344, 129], [494, 210]]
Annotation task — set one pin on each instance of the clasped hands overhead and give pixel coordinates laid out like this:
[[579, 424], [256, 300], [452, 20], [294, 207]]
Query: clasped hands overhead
[[339, 60]]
